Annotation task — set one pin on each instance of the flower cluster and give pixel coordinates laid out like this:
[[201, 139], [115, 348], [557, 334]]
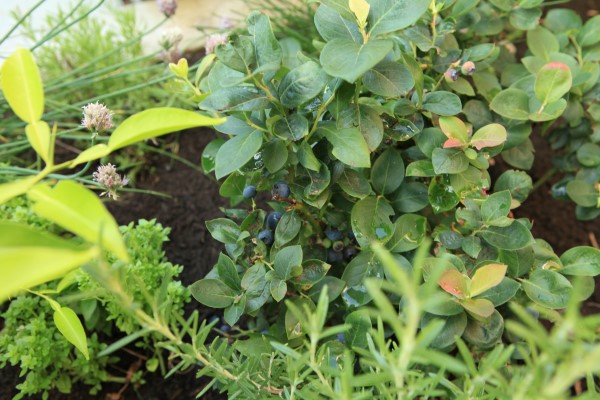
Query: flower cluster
[[110, 180], [167, 7], [97, 117], [214, 40]]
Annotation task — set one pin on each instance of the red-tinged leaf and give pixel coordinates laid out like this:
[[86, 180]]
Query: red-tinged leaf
[[487, 277], [454, 128], [479, 308], [455, 283], [489, 136], [453, 143]]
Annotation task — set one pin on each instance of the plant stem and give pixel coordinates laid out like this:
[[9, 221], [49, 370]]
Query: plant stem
[[549, 174]]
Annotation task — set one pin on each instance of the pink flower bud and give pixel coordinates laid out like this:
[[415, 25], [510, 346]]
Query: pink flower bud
[[97, 117], [214, 40], [108, 178], [167, 7]]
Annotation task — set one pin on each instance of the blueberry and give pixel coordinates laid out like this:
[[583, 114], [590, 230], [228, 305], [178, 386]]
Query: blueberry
[[273, 220], [333, 257], [213, 318], [266, 236], [338, 246], [333, 234], [349, 253], [249, 192], [281, 189], [451, 75], [225, 328], [341, 337]]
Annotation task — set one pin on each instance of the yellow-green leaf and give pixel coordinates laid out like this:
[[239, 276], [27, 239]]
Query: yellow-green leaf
[[155, 122], [455, 130], [70, 326], [482, 308], [22, 85], [455, 283], [93, 153], [80, 211], [16, 188], [38, 134], [489, 136], [487, 277], [29, 257], [360, 8], [180, 69]]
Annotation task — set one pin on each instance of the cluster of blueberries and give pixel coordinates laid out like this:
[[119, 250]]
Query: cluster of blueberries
[[339, 250]]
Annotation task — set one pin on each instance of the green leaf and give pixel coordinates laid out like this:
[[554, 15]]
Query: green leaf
[[236, 152], [548, 288], [331, 25], [420, 168], [312, 272], [360, 327], [542, 43], [392, 15], [275, 155], [80, 211], [212, 293], [228, 272], [238, 55], [442, 103], [266, 47], [455, 283], [302, 84], [93, 153], [38, 134], [454, 129], [512, 237], [288, 262], [387, 173], [583, 193], [354, 184], [441, 196], [411, 197], [449, 161], [500, 294], [156, 122], [371, 220], [489, 136], [349, 60], [29, 257], [293, 127], [496, 206], [349, 145], [485, 333], [70, 326], [487, 277], [481, 308], [307, 157], [224, 230], [16, 188], [588, 155], [552, 82], [518, 183], [512, 103], [278, 289], [409, 232], [581, 261], [365, 264], [389, 79], [237, 98], [588, 35], [22, 86], [453, 325], [287, 228], [233, 186]]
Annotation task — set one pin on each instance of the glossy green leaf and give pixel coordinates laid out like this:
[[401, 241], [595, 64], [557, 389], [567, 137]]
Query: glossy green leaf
[[80, 211], [71, 328], [392, 15], [346, 59], [489, 136], [588, 155], [354, 184], [278, 289], [410, 197], [288, 262], [589, 33], [409, 232], [156, 122], [22, 85], [228, 272], [360, 327], [29, 257], [266, 47], [496, 206], [331, 25], [449, 161], [212, 293], [442, 103], [581, 261], [312, 272], [224, 230], [371, 220], [238, 98], [512, 237], [487, 277], [548, 288], [387, 173], [552, 82], [541, 42], [501, 293], [302, 84], [583, 193], [275, 155], [518, 183], [307, 157], [349, 145], [485, 333], [442, 197], [238, 55], [511, 103], [38, 134], [453, 325], [388, 79], [232, 314], [287, 229], [236, 152], [293, 127]]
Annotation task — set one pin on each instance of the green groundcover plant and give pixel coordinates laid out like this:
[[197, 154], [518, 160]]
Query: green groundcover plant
[[368, 252]]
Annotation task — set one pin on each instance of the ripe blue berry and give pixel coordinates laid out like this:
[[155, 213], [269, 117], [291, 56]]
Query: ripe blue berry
[[273, 220], [249, 192], [333, 234], [333, 257], [266, 236], [349, 253], [281, 189]]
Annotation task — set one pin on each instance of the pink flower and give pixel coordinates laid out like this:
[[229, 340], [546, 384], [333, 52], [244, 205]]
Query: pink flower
[[97, 117], [167, 7], [214, 40], [111, 182]]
